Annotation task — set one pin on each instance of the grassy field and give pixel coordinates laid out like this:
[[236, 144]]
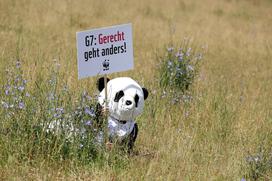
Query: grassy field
[[223, 133]]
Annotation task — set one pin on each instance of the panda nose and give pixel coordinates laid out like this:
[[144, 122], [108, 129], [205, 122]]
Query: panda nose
[[128, 103]]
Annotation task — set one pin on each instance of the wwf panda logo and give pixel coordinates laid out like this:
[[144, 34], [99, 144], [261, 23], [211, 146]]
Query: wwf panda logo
[[106, 65]]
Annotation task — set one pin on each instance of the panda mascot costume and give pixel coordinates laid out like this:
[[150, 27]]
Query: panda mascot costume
[[125, 101]]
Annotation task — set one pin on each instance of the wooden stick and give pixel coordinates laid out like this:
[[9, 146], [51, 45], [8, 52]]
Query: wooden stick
[[106, 91], [106, 110]]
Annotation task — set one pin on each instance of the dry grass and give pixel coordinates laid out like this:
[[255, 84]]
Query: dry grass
[[230, 116]]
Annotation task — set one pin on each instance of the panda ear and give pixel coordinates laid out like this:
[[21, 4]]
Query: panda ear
[[145, 91], [100, 83]]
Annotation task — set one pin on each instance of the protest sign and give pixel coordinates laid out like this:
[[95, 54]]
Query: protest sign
[[104, 50]]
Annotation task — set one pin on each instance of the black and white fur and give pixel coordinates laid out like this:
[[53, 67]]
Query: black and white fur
[[125, 101]]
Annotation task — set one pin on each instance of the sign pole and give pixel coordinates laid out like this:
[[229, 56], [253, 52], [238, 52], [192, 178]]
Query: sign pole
[[106, 109], [106, 90]]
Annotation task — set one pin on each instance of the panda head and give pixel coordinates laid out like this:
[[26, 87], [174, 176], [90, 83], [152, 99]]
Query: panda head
[[125, 97]]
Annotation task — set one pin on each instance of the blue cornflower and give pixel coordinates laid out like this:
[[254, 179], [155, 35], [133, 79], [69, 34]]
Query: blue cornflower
[[88, 97], [170, 49], [59, 112], [21, 88], [88, 123], [21, 105], [90, 112], [60, 109], [17, 79], [180, 59], [178, 55], [7, 92], [18, 64], [24, 81]]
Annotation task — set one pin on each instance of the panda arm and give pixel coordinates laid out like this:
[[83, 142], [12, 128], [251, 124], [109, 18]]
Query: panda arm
[[98, 115], [132, 137], [98, 110]]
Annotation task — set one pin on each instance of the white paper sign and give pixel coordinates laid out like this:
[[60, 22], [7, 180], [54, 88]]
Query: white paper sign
[[104, 50]]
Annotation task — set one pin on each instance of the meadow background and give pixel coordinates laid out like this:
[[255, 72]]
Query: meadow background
[[223, 133]]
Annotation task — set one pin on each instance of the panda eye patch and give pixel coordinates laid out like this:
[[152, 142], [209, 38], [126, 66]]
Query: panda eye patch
[[118, 96], [136, 99]]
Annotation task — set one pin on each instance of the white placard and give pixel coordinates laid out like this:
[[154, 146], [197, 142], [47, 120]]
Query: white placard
[[104, 50]]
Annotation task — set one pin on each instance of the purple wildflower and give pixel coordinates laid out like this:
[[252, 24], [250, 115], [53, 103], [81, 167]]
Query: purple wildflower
[[7, 92], [88, 123], [57, 115], [170, 49], [18, 64], [21, 105], [60, 109], [59, 112], [17, 79], [90, 112], [89, 98], [178, 55], [180, 59], [21, 88]]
